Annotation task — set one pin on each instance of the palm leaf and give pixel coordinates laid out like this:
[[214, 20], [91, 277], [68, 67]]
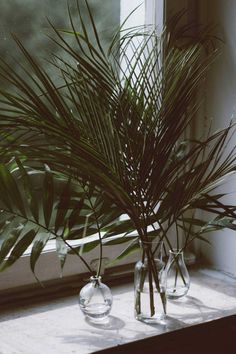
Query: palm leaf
[[39, 243], [19, 248], [56, 215]]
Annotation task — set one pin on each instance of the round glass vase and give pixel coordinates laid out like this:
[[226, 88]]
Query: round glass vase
[[149, 291], [95, 300], [176, 275]]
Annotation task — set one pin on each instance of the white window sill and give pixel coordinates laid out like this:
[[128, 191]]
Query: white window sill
[[58, 326]]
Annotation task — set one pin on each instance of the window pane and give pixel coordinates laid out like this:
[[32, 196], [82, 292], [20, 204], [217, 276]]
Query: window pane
[[28, 20]]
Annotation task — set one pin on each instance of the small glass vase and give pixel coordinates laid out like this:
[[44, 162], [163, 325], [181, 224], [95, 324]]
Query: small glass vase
[[176, 275], [95, 300], [149, 292]]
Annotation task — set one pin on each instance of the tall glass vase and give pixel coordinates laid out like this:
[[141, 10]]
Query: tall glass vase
[[176, 275], [149, 291]]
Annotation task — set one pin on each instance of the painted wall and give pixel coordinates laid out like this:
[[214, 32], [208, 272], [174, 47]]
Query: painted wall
[[221, 105]]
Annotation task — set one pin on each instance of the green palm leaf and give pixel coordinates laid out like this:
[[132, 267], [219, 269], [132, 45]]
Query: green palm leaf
[[63, 213], [19, 248]]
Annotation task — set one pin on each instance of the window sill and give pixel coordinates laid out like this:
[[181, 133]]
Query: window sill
[[57, 326], [216, 337]]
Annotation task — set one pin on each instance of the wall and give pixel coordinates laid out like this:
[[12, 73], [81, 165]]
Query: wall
[[221, 105]]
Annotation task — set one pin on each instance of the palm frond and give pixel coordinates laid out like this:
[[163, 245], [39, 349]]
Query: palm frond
[[38, 208]]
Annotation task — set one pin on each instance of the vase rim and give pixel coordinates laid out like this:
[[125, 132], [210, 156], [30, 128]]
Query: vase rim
[[95, 277], [176, 251]]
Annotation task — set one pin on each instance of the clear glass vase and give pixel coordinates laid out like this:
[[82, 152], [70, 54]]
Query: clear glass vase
[[149, 291], [176, 275], [95, 300]]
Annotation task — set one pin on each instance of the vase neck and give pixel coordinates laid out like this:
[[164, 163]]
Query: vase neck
[[176, 254], [153, 249], [95, 279]]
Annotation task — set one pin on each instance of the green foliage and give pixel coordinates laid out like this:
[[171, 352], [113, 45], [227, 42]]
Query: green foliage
[[116, 130], [38, 207]]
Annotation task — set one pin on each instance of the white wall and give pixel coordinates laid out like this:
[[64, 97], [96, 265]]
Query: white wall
[[137, 18], [221, 105]]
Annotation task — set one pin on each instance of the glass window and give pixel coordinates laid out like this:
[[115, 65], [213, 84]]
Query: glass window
[[29, 21]]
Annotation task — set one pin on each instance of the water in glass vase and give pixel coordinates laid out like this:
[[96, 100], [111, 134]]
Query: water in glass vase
[[96, 311], [176, 292], [95, 300], [145, 314], [150, 298], [176, 276]]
